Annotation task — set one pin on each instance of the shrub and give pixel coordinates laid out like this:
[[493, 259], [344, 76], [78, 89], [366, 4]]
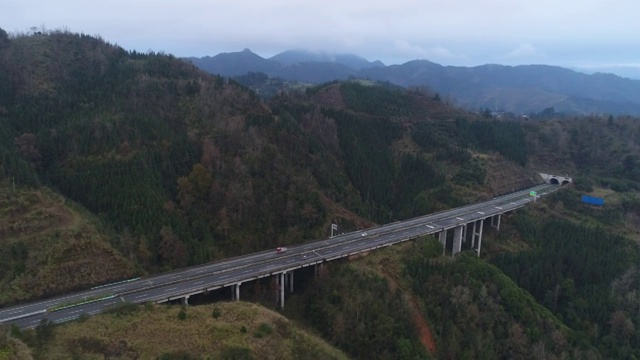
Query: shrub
[[264, 329], [216, 313], [182, 315], [235, 353]]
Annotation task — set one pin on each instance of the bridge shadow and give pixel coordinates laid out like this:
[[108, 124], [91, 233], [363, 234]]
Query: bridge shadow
[[264, 291]]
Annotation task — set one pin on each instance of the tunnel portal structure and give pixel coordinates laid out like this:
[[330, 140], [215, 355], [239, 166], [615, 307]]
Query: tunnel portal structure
[[556, 179]]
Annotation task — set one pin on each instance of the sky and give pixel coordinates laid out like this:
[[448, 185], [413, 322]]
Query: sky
[[585, 35]]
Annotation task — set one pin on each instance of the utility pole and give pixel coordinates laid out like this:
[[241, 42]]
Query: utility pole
[[333, 227]]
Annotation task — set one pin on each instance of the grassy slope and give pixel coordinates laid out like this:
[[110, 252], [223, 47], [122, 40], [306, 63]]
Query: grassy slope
[[149, 332], [49, 245]]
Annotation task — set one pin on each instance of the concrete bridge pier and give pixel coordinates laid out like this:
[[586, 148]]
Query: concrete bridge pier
[[291, 281], [496, 223], [316, 269], [185, 300], [457, 240], [235, 292], [281, 289], [478, 234], [443, 240], [473, 235]]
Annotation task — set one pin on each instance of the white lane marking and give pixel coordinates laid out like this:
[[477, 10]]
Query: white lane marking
[[177, 276], [513, 203], [198, 282], [76, 312], [430, 227], [498, 207], [459, 218], [224, 276], [170, 289], [480, 212], [140, 296]]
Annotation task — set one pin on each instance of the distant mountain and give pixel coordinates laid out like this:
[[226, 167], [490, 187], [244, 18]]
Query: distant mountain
[[297, 65], [518, 89], [235, 63], [293, 57], [315, 72], [527, 88]]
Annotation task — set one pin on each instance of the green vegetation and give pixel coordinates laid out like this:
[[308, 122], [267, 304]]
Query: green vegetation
[[127, 163], [358, 311], [502, 136], [478, 312], [382, 101], [161, 333], [571, 270], [50, 245]]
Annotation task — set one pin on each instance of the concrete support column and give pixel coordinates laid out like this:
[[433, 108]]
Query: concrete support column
[[282, 290], [479, 234], [185, 300], [473, 235], [317, 268], [496, 223], [465, 232], [235, 292], [291, 281], [443, 240], [457, 240]]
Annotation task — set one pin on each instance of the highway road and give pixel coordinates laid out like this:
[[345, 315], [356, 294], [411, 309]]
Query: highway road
[[206, 277]]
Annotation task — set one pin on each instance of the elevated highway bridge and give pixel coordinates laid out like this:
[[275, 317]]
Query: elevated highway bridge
[[464, 223]]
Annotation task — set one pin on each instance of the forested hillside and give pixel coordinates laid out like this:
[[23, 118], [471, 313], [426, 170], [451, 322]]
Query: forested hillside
[[127, 163], [188, 167]]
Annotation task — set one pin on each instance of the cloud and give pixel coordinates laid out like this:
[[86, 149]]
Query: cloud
[[434, 53], [405, 48], [525, 52], [430, 29]]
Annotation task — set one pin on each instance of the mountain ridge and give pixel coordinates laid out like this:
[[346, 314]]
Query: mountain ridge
[[491, 86]]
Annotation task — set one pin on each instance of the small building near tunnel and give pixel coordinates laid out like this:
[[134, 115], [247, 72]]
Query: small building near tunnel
[[556, 179]]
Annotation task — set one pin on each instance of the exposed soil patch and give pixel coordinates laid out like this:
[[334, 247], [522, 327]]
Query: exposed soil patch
[[424, 331]]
